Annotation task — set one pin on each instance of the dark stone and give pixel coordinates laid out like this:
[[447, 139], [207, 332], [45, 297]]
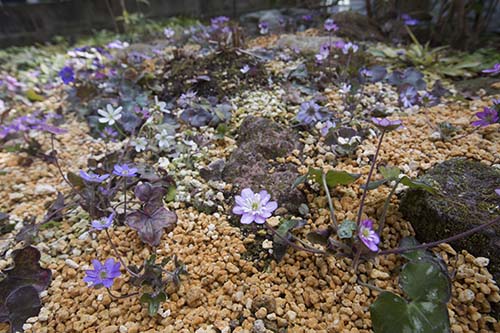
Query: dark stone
[[470, 87], [264, 301], [259, 141], [356, 26], [467, 198]]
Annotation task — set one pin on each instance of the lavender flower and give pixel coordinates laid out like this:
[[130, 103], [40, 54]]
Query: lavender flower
[[323, 54], [110, 116], [2, 106], [103, 223], [263, 28], [493, 71], [325, 127], [245, 69], [67, 75], [254, 207], [339, 44], [368, 236], [408, 96], [310, 112], [307, 17], [409, 21], [497, 191], [385, 124], [330, 25], [487, 117], [92, 177], [140, 144], [118, 44], [109, 133], [348, 47], [124, 170], [187, 98], [103, 275], [169, 33], [218, 22]]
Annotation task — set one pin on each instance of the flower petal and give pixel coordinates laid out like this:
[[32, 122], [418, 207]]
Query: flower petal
[[247, 218]]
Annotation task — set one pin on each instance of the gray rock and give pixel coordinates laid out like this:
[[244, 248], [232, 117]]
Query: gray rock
[[251, 21], [259, 326], [304, 43], [259, 141], [467, 198]]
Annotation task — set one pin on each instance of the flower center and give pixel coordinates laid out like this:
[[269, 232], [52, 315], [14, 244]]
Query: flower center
[[103, 274], [366, 232], [255, 206]]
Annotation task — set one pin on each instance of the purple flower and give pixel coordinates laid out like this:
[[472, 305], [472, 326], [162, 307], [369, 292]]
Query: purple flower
[[323, 54], [254, 207], [169, 32], [103, 275], [118, 44], [368, 236], [92, 177], [310, 112], [263, 28], [330, 25], [494, 70], [187, 98], [307, 17], [218, 22], [408, 96], [408, 20], [348, 47], [487, 117], [124, 170], [339, 44], [497, 191], [325, 127], [386, 124], [103, 223], [108, 133], [67, 75]]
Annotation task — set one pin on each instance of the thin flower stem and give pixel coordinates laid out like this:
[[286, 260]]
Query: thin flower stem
[[365, 190], [370, 286], [125, 197], [400, 250], [58, 166], [117, 254], [120, 296], [386, 207], [466, 134], [329, 198], [292, 244]]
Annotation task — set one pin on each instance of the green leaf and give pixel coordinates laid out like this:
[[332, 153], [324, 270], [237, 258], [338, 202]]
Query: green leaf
[[391, 173], [280, 245], [170, 196], [346, 229], [405, 180], [299, 180], [319, 236], [424, 281], [375, 184], [392, 314], [416, 255], [153, 301], [334, 178], [33, 96], [315, 174]]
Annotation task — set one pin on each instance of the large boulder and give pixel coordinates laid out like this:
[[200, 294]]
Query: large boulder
[[467, 198], [259, 141]]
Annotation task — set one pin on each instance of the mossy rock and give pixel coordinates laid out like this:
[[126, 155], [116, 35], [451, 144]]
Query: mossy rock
[[261, 140], [467, 198], [218, 74]]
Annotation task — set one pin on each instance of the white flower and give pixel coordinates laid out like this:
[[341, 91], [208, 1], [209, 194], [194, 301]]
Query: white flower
[[2, 106], [140, 144], [111, 115], [349, 141], [165, 140], [345, 88], [245, 69], [161, 106], [163, 162], [118, 44]]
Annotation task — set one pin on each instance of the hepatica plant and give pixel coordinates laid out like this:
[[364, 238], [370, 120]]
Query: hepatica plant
[[424, 279]]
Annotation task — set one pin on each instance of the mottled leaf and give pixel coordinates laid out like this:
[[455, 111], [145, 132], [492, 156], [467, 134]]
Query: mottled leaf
[[417, 185], [391, 173], [319, 236], [280, 245], [299, 180], [346, 229], [424, 281], [334, 178], [21, 304], [151, 222]]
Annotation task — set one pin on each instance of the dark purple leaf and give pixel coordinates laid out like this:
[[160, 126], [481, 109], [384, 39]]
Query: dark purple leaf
[[16, 302], [150, 194], [151, 222], [281, 242], [21, 304]]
